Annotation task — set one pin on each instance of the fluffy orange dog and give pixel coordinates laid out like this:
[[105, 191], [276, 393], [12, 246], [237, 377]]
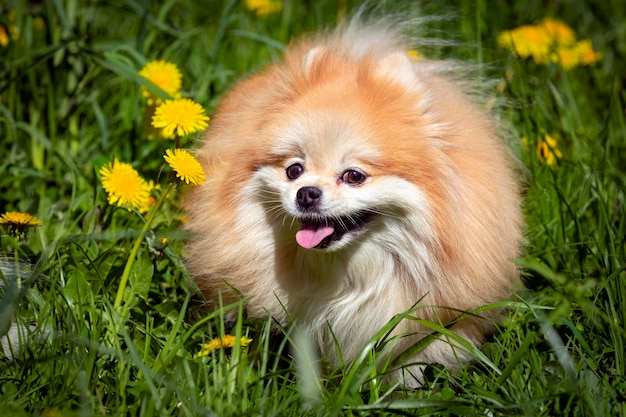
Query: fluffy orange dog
[[347, 183]]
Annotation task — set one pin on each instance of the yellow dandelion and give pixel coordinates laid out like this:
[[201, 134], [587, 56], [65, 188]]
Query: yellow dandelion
[[558, 31], [548, 150], [567, 57], [166, 134], [549, 41], [165, 75], [183, 116], [227, 341], [187, 167], [4, 36], [263, 8], [16, 223], [19, 218], [527, 41], [181, 219], [586, 54], [525, 141], [124, 185], [414, 54], [150, 186]]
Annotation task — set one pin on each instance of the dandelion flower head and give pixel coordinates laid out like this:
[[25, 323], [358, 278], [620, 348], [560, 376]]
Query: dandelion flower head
[[150, 200], [567, 57], [558, 31], [548, 150], [182, 116], [263, 8], [4, 36], [164, 74], [586, 54], [19, 218], [124, 186], [549, 41], [414, 54], [187, 167], [527, 41], [227, 341], [16, 223]]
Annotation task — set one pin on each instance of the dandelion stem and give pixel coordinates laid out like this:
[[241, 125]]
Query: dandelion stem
[[133, 253], [16, 259]]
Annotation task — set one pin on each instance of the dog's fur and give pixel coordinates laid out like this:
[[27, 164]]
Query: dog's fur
[[432, 212]]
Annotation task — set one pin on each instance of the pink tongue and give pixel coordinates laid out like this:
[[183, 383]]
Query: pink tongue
[[312, 234]]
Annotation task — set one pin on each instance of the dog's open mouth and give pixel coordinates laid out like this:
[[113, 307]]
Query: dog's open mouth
[[322, 233]]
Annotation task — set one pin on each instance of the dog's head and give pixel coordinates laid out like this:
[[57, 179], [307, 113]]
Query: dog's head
[[350, 154], [331, 179]]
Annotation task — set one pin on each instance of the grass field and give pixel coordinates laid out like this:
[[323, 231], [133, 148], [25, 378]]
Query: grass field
[[110, 321]]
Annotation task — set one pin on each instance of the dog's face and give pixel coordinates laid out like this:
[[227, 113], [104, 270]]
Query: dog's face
[[329, 181]]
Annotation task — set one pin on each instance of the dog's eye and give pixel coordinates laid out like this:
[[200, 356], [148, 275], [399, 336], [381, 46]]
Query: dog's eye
[[294, 171], [353, 177]]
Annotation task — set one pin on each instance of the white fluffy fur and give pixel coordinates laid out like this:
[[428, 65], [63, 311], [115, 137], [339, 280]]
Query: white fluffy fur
[[447, 219]]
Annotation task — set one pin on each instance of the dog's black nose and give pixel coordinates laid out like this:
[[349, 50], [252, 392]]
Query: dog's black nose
[[307, 198]]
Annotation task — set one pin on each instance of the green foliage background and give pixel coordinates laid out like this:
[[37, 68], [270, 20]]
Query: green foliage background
[[70, 102]]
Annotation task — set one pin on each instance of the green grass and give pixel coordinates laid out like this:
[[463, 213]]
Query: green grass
[[70, 102]]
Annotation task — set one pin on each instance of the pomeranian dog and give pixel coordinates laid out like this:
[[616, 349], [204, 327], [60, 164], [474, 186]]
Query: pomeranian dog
[[348, 184]]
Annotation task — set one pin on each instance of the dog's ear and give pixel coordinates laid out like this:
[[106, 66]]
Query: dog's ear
[[397, 68]]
